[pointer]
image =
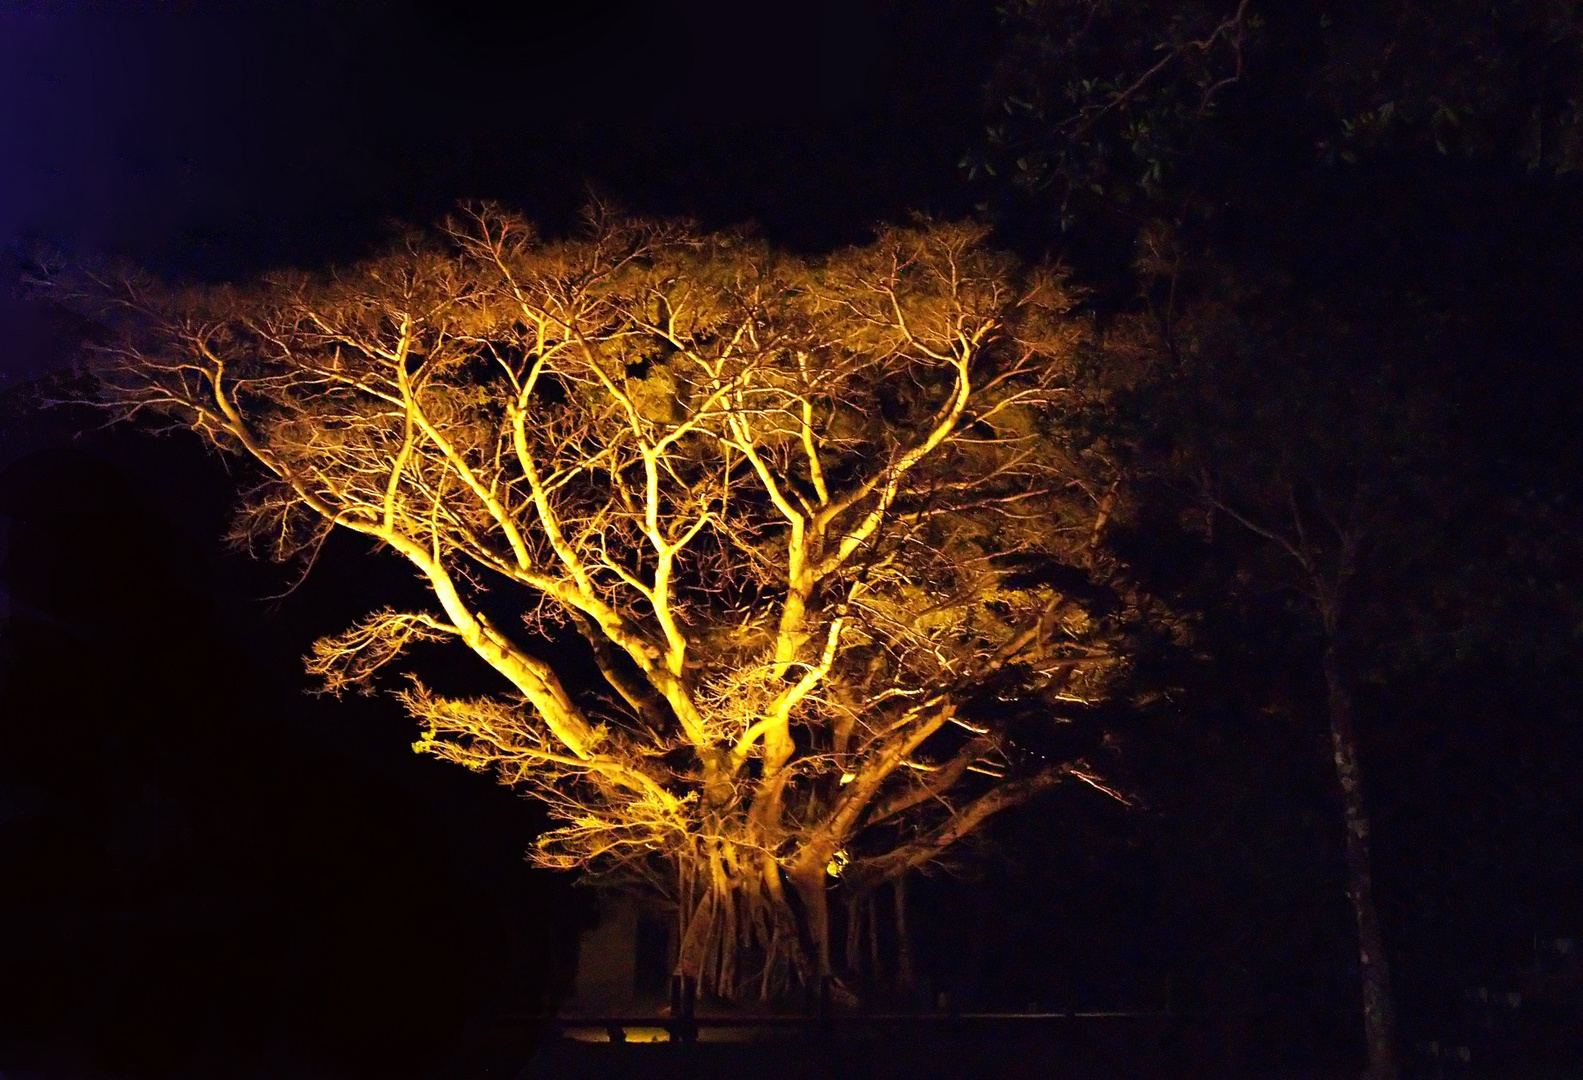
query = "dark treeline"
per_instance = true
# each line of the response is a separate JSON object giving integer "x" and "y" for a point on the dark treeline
{"x": 1337, "y": 242}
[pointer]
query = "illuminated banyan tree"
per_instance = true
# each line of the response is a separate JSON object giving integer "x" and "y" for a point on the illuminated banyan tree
{"x": 818, "y": 522}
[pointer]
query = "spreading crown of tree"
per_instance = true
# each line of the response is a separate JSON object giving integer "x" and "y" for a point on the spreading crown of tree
{"x": 819, "y": 522}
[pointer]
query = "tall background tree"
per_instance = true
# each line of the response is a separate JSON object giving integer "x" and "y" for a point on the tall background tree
{"x": 1290, "y": 213}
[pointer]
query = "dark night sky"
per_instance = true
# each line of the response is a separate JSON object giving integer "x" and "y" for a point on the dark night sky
{"x": 284, "y": 132}
{"x": 218, "y": 139}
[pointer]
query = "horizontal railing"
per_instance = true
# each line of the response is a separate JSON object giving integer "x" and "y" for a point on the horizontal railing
{"x": 793, "y": 1019}
{"x": 688, "y": 1029}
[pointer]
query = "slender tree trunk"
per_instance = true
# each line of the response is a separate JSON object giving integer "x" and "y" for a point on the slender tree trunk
{"x": 904, "y": 971}
{"x": 854, "y": 935}
{"x": 874, "y": 966}
{"x": 696, "y": 907}
{"x": 1379, "y": 1016}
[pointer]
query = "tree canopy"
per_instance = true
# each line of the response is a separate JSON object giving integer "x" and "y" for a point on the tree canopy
{"x": 825, "y": 527}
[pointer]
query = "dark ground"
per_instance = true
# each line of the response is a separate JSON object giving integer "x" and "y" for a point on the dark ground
{"x": 1113, "y": 1050}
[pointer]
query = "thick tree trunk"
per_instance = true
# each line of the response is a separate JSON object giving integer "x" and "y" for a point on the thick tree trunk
{"x": 809, "y": 881}
{"x": 737, "y": 932}
{"x": 1379, "y": 1020}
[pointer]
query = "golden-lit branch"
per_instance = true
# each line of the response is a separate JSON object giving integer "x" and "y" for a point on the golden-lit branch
{"x": 351, "y": 659}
